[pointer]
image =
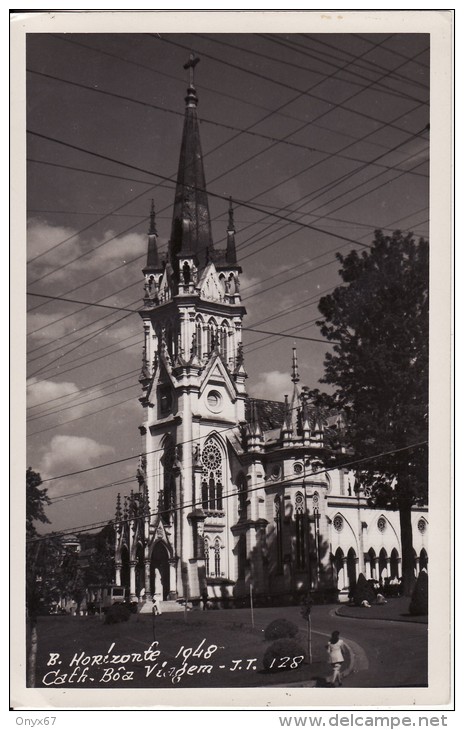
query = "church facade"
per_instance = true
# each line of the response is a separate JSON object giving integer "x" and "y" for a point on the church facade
{"x": 234, "y": 494}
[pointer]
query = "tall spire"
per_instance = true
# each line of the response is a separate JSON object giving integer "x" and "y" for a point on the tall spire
{"x": 191, "y": 185}
{"x": 153, "y": 263}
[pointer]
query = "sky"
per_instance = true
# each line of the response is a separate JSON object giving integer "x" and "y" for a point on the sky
{"x": 327, "y": 131}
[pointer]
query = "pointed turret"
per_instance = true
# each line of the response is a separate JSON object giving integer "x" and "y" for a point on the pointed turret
{"x": 255, "y": 432}
{"x": 295, "y": 402}
{"x": 153, "y": 263}
{"x": 191, "y": 186}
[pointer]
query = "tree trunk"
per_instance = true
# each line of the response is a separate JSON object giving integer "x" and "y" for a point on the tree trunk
{"x": 32, "y": 658}
{"x": 407, "y": 550}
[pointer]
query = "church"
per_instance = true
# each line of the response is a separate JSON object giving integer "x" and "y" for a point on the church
{"x": 236, "y": 496}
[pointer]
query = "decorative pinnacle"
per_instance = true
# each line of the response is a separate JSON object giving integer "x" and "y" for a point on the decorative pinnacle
{"x": 152, "y": 230}
{"x": 191, "y": 63}
{"x": 295, "y": 375}
{"x": 231, "y": 224}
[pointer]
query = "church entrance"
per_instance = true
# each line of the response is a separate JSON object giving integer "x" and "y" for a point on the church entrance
{"x": 159, "y": 571}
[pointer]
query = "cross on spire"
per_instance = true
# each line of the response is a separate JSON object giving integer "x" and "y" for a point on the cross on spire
{"x": 191, "y": 63}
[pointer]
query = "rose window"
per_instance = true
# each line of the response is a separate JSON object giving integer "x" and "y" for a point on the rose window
{"x": 381, "y": 524}
{"x": 338, "y": 523}
{"x": 211, "y": 457}
{"x": 422, "y": 525}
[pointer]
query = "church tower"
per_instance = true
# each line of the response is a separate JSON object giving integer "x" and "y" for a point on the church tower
{"x": 235, "y": 494}
{"x": 193, "y": 386}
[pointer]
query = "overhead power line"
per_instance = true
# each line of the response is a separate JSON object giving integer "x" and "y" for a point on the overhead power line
{"x": 241, "y": 203}
{"x": 136, "y": 311}
{"x": 228, "y": 495}
{"x": 204, "y": 120}
{"x": 294, "y": 88}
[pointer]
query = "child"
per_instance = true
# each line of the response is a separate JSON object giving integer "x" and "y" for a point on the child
{"x": 335, "y": 649}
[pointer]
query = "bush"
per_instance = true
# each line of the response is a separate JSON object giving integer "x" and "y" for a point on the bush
{"x": 363, "y": 591}
{"x": 283, "y": 655}
{"x": 280, "y": 629}
{"x": 419, "y": 605}
{"x": 117, "y": 613}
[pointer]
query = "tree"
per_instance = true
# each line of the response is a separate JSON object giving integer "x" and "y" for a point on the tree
{"x": 36, "y": 499}
{"x": 378, "y": 322}
{"x": 38, "y": 561}
{"x": 101, "y": 566}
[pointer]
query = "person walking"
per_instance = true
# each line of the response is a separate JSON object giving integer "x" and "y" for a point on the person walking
{"x": 335, "y": 650}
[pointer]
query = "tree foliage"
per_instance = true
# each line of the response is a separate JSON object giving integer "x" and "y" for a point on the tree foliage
{"x": 101, "y": 567}
{"x": 378, "y": 322}
{"x": 36, "y": 500}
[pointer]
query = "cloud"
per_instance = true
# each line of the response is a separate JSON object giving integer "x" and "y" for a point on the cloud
{"x": 51, "y": 403}
{"x": 40, "y": 392}
{"x": 272, "y": 385}
{"x": 58, "y": 264}
{"x": 70, "y": 453}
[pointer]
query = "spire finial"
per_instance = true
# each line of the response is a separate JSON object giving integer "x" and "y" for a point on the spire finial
{"x": 191, "y": 63}
{"x": 295, "y": 375}
{"x": 231, "y": 224}
{"x": 152, "y": 230}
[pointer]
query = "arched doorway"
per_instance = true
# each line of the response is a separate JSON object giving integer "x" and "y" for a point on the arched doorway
{"x": 338, "y": 568}
{"x": 394, "y": 564}
{"x": 351, "y": 567}
{"x": 159, "y": 568}
{"x": 423, "y": 559}
{"x": 125, "y": 567}
{"x": 383, "y": 565}
{"x": 372, "y": 573}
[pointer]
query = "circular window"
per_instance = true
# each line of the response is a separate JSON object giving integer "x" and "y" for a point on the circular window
{"x": 298, "y": 468}
{"x": 214, "y": 401}
{"x": 422, "y": 525}
{"x": 338, "y": 523}
{"x": 211, "y": 456}
{"x": 381, "y": 524}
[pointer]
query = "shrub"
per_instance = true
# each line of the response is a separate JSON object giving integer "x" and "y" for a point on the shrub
{"x": 117, "y": 613}
{"x": 419, "y": 605}
{"x": 363, "y": 591}
{"x": 283, "y": 655}
{"x": 280, "y": 629}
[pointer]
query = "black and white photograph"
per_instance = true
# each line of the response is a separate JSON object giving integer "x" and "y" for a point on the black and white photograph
{"x": 231, "y": 360}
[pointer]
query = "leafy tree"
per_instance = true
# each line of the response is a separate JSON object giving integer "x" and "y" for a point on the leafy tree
{"x": 36, "y": 500}
{"x": 378, "y": 322}
{"x": 101, "y": 568}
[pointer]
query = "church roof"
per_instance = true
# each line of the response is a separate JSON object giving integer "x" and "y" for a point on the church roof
{"x": 270, "y": 412}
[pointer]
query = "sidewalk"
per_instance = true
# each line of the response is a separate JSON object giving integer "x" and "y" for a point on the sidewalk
{"x": 396, "y": 609}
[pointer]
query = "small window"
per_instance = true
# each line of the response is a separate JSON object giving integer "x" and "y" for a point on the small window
{"x": 214, "y": 401}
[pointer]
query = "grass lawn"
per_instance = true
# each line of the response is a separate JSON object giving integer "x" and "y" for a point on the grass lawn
{"x": 396, "y": 609}
{"x": 199, "y": 649}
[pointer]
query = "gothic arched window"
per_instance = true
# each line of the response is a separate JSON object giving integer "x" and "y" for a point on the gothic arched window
{"x": 242, "y": 496}
{"x": 199, "y": 336}
{"x": 300, "y": 530}
{"x": 223, "y": 340}
{"x": 211, "y": 335}
{"x": 217, "y": 558}
{"x": 206, "y": 555}
{"x": 212, "y": 476}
